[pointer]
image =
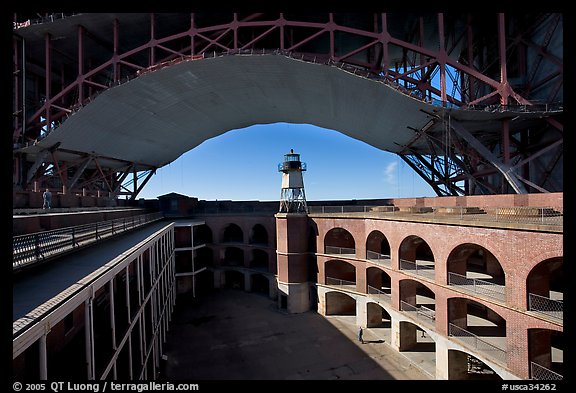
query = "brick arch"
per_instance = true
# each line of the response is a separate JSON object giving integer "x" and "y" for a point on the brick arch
{"x": 232, "y": 232}
{"x": 377, "y": 242}
{"x": 545, "y": 286}
{"x": 339, "y": 237}
{"x": 407, "y": 250}
{"x": 472, "y": 257}
{"x": 339, "y": 269}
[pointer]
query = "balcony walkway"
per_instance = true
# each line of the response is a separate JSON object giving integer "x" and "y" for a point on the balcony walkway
{"x": 37, "y": 286}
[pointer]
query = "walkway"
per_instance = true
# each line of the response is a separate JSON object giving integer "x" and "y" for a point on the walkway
{"x": 235, "y": 335}
{"x": 34, "y": 288}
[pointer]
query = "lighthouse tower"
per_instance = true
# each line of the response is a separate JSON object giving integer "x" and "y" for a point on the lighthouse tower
{"x": 292, "y": 238}
{"x": 292, "y": 197}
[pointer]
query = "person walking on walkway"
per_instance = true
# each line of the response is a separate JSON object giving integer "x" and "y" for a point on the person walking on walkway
{"x": 47, "y": 196}
{"x": 361, "y": 335}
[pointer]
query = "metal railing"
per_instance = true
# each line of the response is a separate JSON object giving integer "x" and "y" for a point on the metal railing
{"x": 339, "y": 282}
{"x": 350, "y": 209}
{"x": 383, "y": 259}
{"x": 475, "y": 285}
{"x": 422, "y": 313}
{"x": 423, "y": 270}
{"x": 473, "y": 341}
{"x": 41, "y": 246}
{"x": 547, "y": 306}
{"x": 548, "y": 216}
{"x": 541, "y": 373}
{"x": 339, "y": 250}
{"x": 379, "y": 294}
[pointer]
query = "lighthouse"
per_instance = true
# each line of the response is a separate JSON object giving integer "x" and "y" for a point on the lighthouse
{"x": 292, "y": 233}
{"x": 292, "y": 196}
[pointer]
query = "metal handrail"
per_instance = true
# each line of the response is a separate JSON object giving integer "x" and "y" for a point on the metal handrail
{"x": 541, "y": 373}
{"x": 476, "y": 342}
{"x": 418, "y": 269}
{"x": 38, "y": 247}
{"x": 422, "y": 312}
{"x": 378, "y": 292}
{"x": 340, "y": 250}
{"x": 478, "y": 286}
{"x": 547, "y": 306}
{"x": 541, "y": 215}
{"x": 338, "y": 281}
{"x": 376, "y": 255}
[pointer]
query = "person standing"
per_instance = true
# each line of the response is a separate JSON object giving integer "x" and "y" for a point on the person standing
{"x": 361, "y": 335}
{"x": 47, "y": 196}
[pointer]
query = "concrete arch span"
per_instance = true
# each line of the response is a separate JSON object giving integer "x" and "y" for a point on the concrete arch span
{"x": 193, "y": 101}
{"x": 153, "y": 119}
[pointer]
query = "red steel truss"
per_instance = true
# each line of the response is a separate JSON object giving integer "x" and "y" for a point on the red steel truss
{"x": 477, "y": 61}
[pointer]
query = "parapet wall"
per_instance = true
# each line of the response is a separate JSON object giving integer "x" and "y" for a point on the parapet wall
{"x": 554, "y": 200}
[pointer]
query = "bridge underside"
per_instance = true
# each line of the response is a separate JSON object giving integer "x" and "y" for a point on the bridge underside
{"x": 459, "y": 143}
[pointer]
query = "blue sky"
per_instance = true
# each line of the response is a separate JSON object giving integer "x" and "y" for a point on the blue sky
{"x": 242, "y": 165}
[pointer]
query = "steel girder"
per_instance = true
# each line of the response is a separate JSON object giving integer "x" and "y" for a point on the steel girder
{"x": 475, "y": 61}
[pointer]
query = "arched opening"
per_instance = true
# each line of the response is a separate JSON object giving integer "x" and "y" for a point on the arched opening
{"x": 259, "y": 235}
{"x": 417, "y": 345}
{"x": 464, "y": 366}
{"x": 546, "y": 354}
{"x": 379, "y": 284}
{"x": 340, "y": 273}
{"x": 233, "y": 256}
{"x": 233, "y": 279}
{"x": 418, "y": 301}
{"x": 259, "y": 260}
{"x": 545, "y": 287}
{"x": 416, "y": 256}
{"x": 260, "y": 284}
{"x": 473, "y": 268}
{"x": 233, "y": 234}
{"x": 202, "y": 235}
{"x": 378, "y": 317}
{"x": 340, "y": 242}
{"x": 338, "y": 303}
{"x": 378, "y": 248}
{"x": 479, "y": 327}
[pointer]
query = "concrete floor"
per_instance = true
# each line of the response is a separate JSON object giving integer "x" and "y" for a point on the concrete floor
{"x": 233, "y": 335}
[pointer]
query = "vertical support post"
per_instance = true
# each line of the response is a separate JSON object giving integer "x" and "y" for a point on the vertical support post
{"x": 470, "y": 57}
{"x": 43, "y": 355}
{"x": 80, "y": 65}
{"x": 23, "y": 89}
{"x": 442, "y": 58}
{"x": 422, "y": 72}
{"x": 282, "y": 23}
{"x": 192, "y": 35}
{"x": 385, "y": 41}
{"x": 48, "y": 78}
{"x": 130, "y": 363}
{"x": 506, "y": 141}
{"x": 152, "y": 38}
{"x": 502, "y": 52}
{"x": 116, "y": 66}
{"x": 113, "y": 322}
{"x": 235, "y": 31}
{"x": 16, "y": 104}
{"x": 89, "y": 334}
{"x": 135, "y": 182}
{"x": 330, "y": 23}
